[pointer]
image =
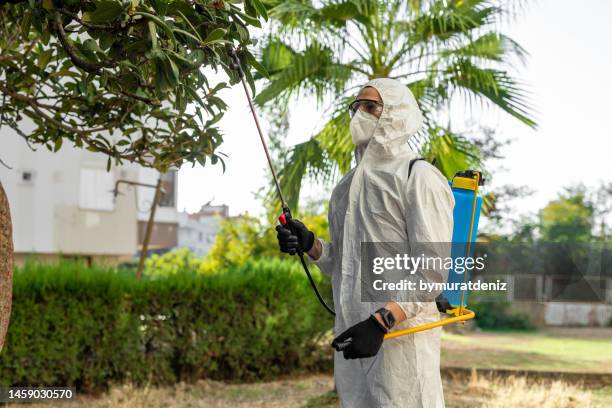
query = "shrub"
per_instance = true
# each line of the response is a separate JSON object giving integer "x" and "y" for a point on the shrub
{"x": 93, "y": 327}
{"x": 171, "y": 263}
{"x": 493, "y": 312}
{"x": 246, "y": 237}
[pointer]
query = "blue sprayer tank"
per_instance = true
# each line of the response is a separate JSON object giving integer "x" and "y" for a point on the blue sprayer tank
{"x": 464, "y": 185}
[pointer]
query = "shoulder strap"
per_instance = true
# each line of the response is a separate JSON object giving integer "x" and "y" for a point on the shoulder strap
{"x": 412, "y": 164}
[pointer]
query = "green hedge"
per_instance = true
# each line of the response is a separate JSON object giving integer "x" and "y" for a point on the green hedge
{"x": 93, "y": 327}
{"x": 493, "y": 312}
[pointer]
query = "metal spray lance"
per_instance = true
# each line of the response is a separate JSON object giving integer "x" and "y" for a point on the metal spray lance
{"x": 285, "y": 217}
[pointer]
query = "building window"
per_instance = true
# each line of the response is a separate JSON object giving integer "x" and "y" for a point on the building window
{"x": 525, "y": 288}
{"x": 578, "y": 289}
{"x": 26, "y": 177}
{"x": 169, "y": 185}
{"x": 96, "y": 190}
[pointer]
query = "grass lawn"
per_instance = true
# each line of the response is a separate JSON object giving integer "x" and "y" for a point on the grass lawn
{"x": 566, "y": 350}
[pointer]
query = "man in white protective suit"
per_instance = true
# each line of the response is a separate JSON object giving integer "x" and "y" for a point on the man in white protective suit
{"x": 381, "y": 200}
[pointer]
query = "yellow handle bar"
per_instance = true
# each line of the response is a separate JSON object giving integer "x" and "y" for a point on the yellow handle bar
{"x": 461, "y": 315}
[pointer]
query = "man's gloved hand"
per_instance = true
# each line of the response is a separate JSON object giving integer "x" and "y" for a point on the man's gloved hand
{"x": 300, "y": 239}
{"x": 365, "y": 337}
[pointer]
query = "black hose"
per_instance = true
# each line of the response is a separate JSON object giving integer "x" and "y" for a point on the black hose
{"x": 314, "y": 285}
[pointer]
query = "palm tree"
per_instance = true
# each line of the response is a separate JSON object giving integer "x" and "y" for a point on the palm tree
{"x": 441, "y": 49}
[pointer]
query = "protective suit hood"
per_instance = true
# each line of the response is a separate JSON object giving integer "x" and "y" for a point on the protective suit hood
{"x": 401, "y": 117}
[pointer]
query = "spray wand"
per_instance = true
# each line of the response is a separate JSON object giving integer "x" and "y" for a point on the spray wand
{"x": 285, "y": 217}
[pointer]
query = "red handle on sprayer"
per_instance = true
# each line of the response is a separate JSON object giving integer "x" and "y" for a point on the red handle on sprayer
{"x": 285, "y": 216}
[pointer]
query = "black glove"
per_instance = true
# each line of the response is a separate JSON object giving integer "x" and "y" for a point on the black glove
{"x": 361, "y": 340}
{"x": 294, "y": 236}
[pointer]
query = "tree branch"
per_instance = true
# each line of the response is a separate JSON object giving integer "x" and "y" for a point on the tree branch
{"x": 2, "y": 162}
{"x": 148, "y": 101}
{"x": 93, "y": 68}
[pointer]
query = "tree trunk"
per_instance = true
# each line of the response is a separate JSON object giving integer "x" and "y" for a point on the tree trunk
{"x": 6, "y": 265}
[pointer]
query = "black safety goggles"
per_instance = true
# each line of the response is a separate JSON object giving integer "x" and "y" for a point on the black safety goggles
{"x": 367, "y": 105}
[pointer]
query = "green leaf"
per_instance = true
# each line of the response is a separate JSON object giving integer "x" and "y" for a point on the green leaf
{"x": 91, "y": 45}
{"x": 152, "y": 34}
{"x": 255, "y": 64}
{"x": 242, "y": 32}
{"x": 194, "y": 95}
{"x": 44, "y": 58}
{"x": 195, "y": 32}
{"x": 187, "y": 34}
{"x": 173, "y": 74}
{"x": 252, "y": 21}
{"x": 181, "y": 59}
{"x": 160, "y": 6}
{"x": 107, "y": 11}
{"x": 25, "y": 25}
{"x": 215, "y": 35}
{"x": 58, "y": 144}
{"x": 161, "y": 84}
{"x": 161, "y": 23}
{"x": 45, "y": 37}
{"x": 249, "y": 78}
{"x": 261, "y": 9}
{"x": 106, "y": 40}
{"x": 103, "y": 79}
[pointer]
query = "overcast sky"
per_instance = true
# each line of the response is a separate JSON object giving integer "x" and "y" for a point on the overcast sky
{"x": 569, "y": 72}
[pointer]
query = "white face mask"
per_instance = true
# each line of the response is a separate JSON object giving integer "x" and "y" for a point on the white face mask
{"x": 362, "y": 127}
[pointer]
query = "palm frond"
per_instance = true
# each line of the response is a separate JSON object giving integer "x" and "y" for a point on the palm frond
{"x": 491, "y": 46}
{"x": 298, "y": 14}
{"x": 494, "y": 86}
{"x": 291, "y": 13}
{"x": 451, "y": 152}
{"x": 335, "y": 137}
{"x": 319, "y": 158}
{"x": 314, "y": 71}
{"x": 429, "y": 93}
{"x": 444, "y": 20}
{"x": 276, "y": 56}
{"x": 440, "y": 48}
{"x": 307, "y": 158}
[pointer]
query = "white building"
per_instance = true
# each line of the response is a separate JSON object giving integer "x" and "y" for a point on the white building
{"x": 62, "y": 203}
{"x": 197, "y": 231}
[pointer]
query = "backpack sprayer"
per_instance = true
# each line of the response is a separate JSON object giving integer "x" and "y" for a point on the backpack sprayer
{"x": 466, "y": 215}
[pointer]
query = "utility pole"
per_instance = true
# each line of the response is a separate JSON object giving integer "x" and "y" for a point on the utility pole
{"x": 159, "y": 191}
{"x": 147, "y": 237}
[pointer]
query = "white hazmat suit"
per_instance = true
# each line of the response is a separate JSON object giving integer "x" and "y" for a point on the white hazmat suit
{"x": 378, "y": 202}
